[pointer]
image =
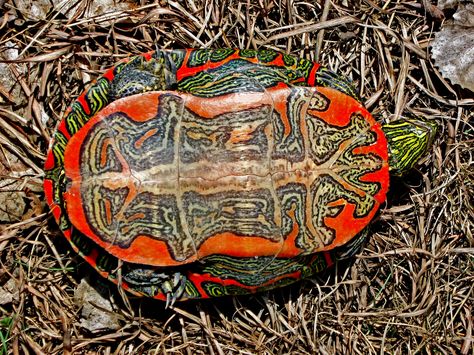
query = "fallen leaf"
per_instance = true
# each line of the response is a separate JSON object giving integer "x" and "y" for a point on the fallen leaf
{"x": 9, "y": 292}
{"x": 453, "y": 48}
{"x": 97, "y": 312}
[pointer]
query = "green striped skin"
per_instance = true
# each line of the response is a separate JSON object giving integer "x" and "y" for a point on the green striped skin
{"x": 408, "y": 141}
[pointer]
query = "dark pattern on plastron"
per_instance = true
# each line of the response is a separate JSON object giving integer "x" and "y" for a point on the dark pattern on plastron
{"x": 209, "y": 139}
{"x": 123, "y": 133}
{"x": 326, "y": 190}
{"x": 326, "y": 140}
{"x": 244, "y": 213}
{"x": 292, "y": 198}
{"x": 290, "y": 146}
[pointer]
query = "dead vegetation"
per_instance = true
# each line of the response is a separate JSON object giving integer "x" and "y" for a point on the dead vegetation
{"x": 409, "y": 291}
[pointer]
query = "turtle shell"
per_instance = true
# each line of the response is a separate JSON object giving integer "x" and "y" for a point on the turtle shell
{"x": 245, "y": 175}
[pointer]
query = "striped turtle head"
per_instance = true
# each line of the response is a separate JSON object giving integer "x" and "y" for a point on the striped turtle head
{"x": 408, "y": 140}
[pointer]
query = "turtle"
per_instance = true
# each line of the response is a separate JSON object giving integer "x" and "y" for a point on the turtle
{"x": 196, "y": 173}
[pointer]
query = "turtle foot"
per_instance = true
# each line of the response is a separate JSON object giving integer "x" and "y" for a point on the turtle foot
{"x": 151, "y": 283}
{"x": 173, "y": 289}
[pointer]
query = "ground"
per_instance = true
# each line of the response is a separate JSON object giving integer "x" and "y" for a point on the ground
{"x": 409, "y": 291}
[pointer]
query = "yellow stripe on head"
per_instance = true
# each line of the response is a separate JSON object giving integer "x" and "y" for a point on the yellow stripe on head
{"x": 408, "y": 140}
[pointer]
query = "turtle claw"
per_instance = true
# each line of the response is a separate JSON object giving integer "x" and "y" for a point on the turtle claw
{"x": 152, "y": 283}
{"x": 173, "y": 290}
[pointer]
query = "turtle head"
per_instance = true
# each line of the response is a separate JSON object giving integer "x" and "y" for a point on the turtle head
{"x": 408, "y": 140}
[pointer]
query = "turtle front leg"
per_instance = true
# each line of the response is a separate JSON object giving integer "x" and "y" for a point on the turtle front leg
{"x": 353, "y": 247}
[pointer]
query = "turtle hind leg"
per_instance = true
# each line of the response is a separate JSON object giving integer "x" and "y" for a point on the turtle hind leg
{"x": 140, "y": 75}
{"x": 174, "y": 290}
{"x": 169, "y": 69}
{"x": 151, "y": 282}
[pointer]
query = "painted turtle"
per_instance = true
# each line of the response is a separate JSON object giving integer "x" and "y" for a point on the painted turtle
{"x": 198, "y": 173}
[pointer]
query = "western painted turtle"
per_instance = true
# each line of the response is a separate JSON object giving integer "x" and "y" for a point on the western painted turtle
{"x": 188, "y": 174}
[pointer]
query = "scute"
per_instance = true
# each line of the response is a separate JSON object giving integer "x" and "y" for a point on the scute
{"x": 173, "y": 187}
